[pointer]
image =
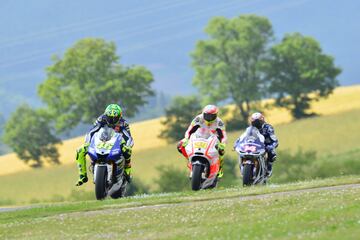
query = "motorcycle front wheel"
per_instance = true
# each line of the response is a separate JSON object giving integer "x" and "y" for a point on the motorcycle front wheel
{"x": 100, "y": 182}
{"x": 248, "y": 175}
{"x": 196, "y": 177}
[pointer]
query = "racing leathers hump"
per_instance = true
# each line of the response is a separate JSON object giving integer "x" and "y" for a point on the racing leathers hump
{"x": 217, "y": 127}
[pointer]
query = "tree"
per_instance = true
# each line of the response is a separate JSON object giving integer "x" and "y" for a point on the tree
{"x": 300, "y": 73}
{"x": 179, "y": 115}
{"x": 28, "y": 133}
{"x": 88, "y": 77}
{"x": 228, "y": 64}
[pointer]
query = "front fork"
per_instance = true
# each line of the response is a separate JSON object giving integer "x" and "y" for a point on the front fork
{"x": 114, "y": 170}
{"x": 242, "y": 163}
{"x": 109, "y": 171}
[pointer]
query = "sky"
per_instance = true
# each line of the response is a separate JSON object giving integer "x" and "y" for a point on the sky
{"x": 158, "y": 34}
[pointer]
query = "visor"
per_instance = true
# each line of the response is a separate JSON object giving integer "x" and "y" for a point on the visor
{"x": 112, "y": 120}
{"x": 257, "y": 123}
{"x": 209, "y": 117}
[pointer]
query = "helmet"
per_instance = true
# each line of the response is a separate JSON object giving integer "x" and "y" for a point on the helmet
{"x": 210, "y": 113}
{"x": 113, "y": 113}
{"x": 257, "y": 120}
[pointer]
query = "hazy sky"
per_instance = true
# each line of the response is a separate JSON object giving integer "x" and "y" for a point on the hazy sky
{"x": 158, "y": 34}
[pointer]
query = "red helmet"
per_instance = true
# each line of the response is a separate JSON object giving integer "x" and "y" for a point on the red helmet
{"x": 257, "y": 120}
{"x": 210, "y": 113}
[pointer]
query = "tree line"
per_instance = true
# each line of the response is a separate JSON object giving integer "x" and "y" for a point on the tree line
{"x": 240, "y": 62}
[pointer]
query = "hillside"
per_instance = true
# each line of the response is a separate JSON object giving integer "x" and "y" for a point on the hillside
{"x": 328, "y": 135}
{"x": 146, "y": 133}
{"x": 322, "y": 209}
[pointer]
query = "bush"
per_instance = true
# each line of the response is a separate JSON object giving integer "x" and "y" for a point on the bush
{"x": 172, "y": 179}
{"x": 306, "y": 165}
{"x": 136, "y": 187}
{"x": 298, "y": 166}
{"x": 335, "y": 165}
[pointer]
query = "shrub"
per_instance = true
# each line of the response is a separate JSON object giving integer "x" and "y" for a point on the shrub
{"x": 172, "y": 179}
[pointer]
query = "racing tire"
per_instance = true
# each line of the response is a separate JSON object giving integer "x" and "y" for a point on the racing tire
{"x": 196, "y": 177}
{"x": 101, "y": 182}
{"x": 248, "y": 175}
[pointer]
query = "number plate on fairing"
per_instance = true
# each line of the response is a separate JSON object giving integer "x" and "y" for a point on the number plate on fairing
{"x": 248, "y": 148}
{"x": 200, "y": 144}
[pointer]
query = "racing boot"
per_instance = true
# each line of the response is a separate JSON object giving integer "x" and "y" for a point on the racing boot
{"x": 127, "y": 168}
{"x": 221, "y": 172}
{"x": 221, "y": 149}
{"x": 189, "y": 167}
{"x": 81, "y": 161}
{"x": 270, "y": 162}
{"x": 269, "y": 169}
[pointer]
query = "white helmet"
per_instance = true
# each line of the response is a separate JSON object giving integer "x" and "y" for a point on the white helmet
{"x": 257, "y": 120}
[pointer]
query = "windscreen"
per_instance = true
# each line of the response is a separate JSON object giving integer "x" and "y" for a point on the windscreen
{"x": 251, "y": 135}
{"x": 203, "y": 133}
{"x": 106, "y": 133}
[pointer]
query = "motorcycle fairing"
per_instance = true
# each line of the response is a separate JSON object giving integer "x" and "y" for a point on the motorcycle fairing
{"x": 110, "y": 149}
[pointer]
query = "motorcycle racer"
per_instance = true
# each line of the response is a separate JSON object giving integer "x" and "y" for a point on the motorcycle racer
{"x": 271, "y": 142}
{"x": 112, "y": 117}
{"x": 207, "y": 119}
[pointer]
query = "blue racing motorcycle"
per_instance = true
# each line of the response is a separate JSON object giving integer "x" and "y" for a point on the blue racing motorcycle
{"x": 107, "y": 164}
{"x": 252, "y": 157}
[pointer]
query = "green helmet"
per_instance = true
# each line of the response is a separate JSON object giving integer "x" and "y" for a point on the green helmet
{"x": 113, "y": 113}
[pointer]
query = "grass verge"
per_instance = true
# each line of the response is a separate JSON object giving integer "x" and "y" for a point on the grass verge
{"x": 215, "y": 214}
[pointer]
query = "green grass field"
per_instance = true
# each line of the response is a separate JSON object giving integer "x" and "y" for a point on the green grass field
{"x": 329, "y": 136}
{"x": 212, "y": 214}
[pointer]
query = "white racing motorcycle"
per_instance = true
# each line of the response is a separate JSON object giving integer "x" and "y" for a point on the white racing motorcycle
{"x": 203, "y": 156}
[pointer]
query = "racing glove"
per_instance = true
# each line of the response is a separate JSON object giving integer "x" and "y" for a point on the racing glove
{"x": 128, "y": 170}
{"x": 127, "y": 149}
{"x": 221, "y": 148}
{"x": 185, "y": 142}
